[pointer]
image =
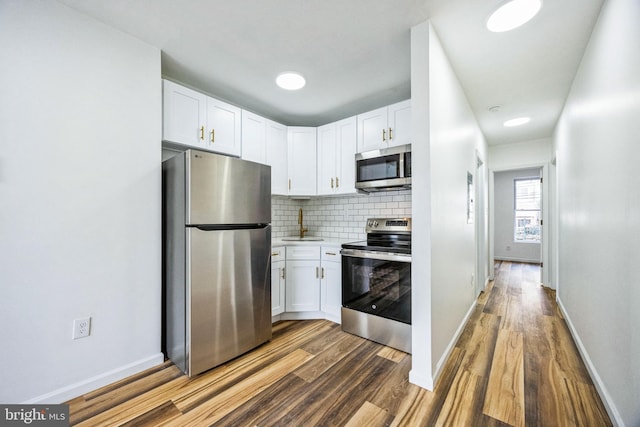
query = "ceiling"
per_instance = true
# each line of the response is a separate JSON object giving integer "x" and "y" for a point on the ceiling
{"x": 355, "y": 54}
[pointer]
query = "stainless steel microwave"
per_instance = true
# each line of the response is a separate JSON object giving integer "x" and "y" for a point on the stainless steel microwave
{"x": 384, "y": 170}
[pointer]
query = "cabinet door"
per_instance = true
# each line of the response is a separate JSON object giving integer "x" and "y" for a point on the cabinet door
{"x": 399, "y": 132}
{"x": 372, "y": 130}
{"x": 224, "y": 126}
{"x": 302, "y": 161}
{"x": 346, "y": 156}
{"x": 331, "y": 291}
{"x": 331, "y": 282}
{"x": 302, "y": 286}
{"x": 327, "y": 149}
{"x": 184, "y": 115}
{"x": 254, "y": 137}
{"x": 277, "y": 157}
{"x": 277, "y": 287}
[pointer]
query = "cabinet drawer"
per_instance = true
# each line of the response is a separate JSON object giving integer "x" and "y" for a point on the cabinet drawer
{"x": 303, "y": 252}
{"x": 277, "y": 254}
{"x": 330, "y": 253}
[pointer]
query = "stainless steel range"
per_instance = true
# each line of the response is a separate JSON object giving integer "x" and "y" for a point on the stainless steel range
{"x": 376, "y": 283}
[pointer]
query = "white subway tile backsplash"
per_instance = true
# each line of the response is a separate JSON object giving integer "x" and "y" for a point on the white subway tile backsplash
{"x": 336, "y": 217}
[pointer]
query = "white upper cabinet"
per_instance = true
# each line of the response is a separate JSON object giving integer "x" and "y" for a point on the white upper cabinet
{"x": 336, "y": 157}
{"x": 184, "y": 115}
{"x": 193, "y": 119}
{"x": 385, "y": 127}
{"x": 371, "y": 126}
{"x": 327, "y": 147}
{"x": 265, "y": 141}
{"x": 346, "y": 131}
{"x": 254, "y": 137}
{"x": 224, "y": 127}
{"x": 277, "y": 157}
{"x": 399, "y": 123}
{"x": 301, "y": 161}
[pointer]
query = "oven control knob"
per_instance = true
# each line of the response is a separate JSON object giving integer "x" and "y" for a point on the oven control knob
{"x": 374, "y": 306}
{"x": 373, "y": 224}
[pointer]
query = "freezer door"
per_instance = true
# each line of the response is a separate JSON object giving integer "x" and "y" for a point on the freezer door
{"x": 226, "y": 190}
{"x": 229, "y": 306}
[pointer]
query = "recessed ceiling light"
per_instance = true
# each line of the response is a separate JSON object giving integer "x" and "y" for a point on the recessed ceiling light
{"x": 517, "y": 122}
{"x": 513, "y": 14}
{"x": 290, "y": 80}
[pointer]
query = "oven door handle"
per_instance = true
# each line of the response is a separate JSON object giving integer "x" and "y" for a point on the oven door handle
{"x": 384, "y": 256}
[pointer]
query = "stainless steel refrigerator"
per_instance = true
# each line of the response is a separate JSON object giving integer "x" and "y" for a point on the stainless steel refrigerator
{"x": 217, "y": 249}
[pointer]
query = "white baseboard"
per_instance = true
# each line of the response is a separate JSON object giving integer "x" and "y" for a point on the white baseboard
{"x": 515, "y": 259}
{"x": 453, "y": 342}
{"x": 421, "y": 380}
{"x": 74, "y": 390}
{"x": 428, "y": 383}
{"x": 306, "y": 315}
{"x": 597, "y": 381}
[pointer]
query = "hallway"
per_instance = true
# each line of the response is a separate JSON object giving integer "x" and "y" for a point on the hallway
{"x": 515, "y": 364}
{"x": 518, "y": 356}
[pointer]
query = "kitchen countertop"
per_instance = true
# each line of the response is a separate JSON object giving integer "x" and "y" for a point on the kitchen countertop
{"x": 327, "y": 241}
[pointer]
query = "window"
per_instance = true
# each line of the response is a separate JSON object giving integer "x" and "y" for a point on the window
{"x": 528, "y": 214}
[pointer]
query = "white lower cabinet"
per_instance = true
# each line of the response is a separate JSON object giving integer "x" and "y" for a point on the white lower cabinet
{"x": 303, "y": 279}
{"x": 278, "y": 277}
{"x": 303, "y": 286}
{"x": 313, "y": 282}
{"x": 331, "y": 282}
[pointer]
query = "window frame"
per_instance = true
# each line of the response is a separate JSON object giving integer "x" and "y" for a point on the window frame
{"x": 538, "y": 212}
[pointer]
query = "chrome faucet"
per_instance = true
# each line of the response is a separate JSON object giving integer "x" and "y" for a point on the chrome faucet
{"x": 302, "y": 229}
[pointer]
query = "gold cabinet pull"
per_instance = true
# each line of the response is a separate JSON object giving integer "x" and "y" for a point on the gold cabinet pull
{"x": 282, "y": 273}
{"x": 384, "y": 134}
{"x": 390, "y": 135}
{"x": 330, "y": 253}
{"x": 322, "y": 276}
{"x": 317, "y": 272}
{"x": 289, "y": 183}
{"x": 331, "y": 182}
{"x": 213, "y": 136}
{"x": 275, "y": 253}
{"x": 337, "y": 182}
{"x": 202, "y": 133}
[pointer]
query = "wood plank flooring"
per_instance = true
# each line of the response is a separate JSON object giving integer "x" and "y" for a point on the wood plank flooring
{"x": 515, "y": 364}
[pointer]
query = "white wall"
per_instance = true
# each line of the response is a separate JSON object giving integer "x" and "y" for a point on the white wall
{"x": 504, "y": 218}
{"x": 444, "y": 250}
{"x": 520, "y": 155}
{"x": 455, "y": 137}
{"x": 597, "y": 142}
{"x": 421, "y": 366}
{"x": 79, "y": 202}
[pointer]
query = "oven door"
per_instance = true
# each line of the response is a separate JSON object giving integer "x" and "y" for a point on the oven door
{"x": 377, "y": 283}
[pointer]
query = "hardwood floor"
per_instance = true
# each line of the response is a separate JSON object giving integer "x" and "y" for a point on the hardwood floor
{"x": 515, "y": 364}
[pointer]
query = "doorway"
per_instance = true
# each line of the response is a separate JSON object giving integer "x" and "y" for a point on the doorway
{"x": 518, "y": 216}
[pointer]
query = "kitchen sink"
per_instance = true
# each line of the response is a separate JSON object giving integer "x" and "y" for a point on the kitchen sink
{"x": 302, "y": 239}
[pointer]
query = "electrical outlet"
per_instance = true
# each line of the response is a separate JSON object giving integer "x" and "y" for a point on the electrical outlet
{"x": 81, "y": 328}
